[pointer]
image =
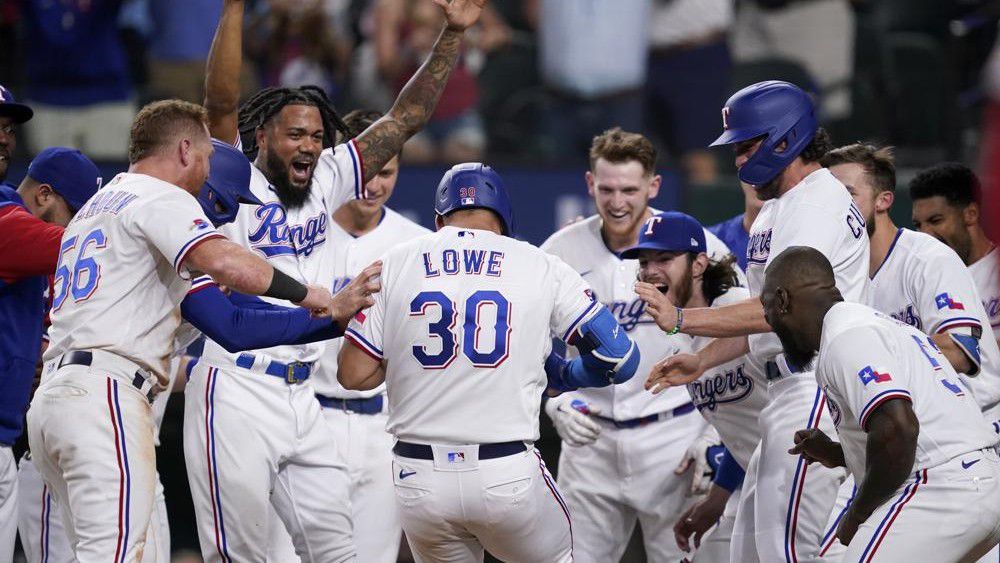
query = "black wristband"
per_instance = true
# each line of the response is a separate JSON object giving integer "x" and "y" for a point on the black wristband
{"x": 285, "y": 287}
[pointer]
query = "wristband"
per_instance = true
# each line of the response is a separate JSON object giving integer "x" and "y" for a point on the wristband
{"x": 680, "y": 321}
{"x": 285, "y": 287}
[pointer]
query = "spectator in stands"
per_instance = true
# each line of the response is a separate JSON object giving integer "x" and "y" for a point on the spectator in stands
{"x": 689, "y": 79}
{"x": 817, "y": 34}
{"x": 405, "y": 31}
{"x": 299, "y": 42}
{"x": 77, "y": 77}
{"x": 592, "y": 59}
{"x": 178, "y": 47}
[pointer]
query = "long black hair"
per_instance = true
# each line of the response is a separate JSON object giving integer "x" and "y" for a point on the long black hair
{"x": 264, "y": 105}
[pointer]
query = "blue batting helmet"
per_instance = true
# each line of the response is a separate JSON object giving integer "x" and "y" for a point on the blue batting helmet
{"x": 780, "y": 112}
{"x": 474, "y": 185}
{"x": 227, "y": 186}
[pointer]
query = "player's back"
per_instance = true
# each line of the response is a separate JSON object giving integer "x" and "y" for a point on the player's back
{"x": 866, "y": 358}
{"x": 466, "y": 317}
{"x": 120, "y": 277}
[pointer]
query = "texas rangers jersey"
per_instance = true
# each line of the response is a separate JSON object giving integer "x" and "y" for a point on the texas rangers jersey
{"x": 817, "y": 212}
{"x": 295, "y": 240}
{"x": 986, "y": 273}
{"x": 923, "y": 283}
{"x": 463, "y": 323}
{"x": 730, "y": 396}
{"x": 121, "y": 274}
{"x": 613, "y": 280}
{"x": 353, "y": 255}
{"x": 867, "y": 358}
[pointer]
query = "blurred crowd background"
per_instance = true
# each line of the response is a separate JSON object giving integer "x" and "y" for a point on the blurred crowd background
{"x": 537, "y": 80}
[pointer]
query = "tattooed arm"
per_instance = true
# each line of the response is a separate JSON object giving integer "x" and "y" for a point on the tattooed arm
{"x": 416, "y": 102}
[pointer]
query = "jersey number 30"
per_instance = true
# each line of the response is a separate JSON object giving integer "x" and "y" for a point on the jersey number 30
{"x": 82, "y": 281}
{"x": 444, "y": 329}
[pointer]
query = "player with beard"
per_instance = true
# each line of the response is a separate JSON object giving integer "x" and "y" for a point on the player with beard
{"x": 671, "y": 254}
{"x": 928, "y": 476}
{"x": 946, "y": 205}
{"x": 778, "y": 143}
{"x": 11, "y": 114}
{"x": 283, "y": 454}
{"x": 617, "y": 442}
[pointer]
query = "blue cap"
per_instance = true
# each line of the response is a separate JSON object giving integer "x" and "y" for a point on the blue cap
{"x": 70, "y": 173}
{"x": 10, "y": 108}
{"x": 227, "y": 185}
{"x": 671, "y": 231}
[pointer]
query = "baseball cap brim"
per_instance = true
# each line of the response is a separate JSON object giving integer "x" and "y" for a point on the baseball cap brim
{"x": 250, "y": 199}
{"x": 633, "y": 252}
{"x": 18, "y": 112}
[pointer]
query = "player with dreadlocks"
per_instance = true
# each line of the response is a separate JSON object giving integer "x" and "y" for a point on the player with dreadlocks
{"x": 254, "y": 434}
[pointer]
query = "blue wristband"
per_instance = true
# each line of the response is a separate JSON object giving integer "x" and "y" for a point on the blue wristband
{"x": 730, "y": 475}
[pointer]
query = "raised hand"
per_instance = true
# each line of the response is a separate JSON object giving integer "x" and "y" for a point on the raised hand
{"x": 679, "y": 369}
{"x": 461, "y": 14}
{"x": 357, "y": 295}
{"x": 657, "y": 306}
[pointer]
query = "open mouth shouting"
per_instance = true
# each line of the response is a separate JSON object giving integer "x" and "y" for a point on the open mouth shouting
{"x": 301, "y": 170}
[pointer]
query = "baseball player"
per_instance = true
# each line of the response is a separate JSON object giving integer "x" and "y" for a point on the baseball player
{"x": 11, "y": 114}
{"x": 946, "y": 205}
{"x": 362, "y": 231}
{"x": 785, "y": 504}
{"x": 914, "y": 440}
{"x": 672, "y": 256}
{"x": 241, "y": 466}
{"x": 239, "y": 322}
{"x": 459, "y": 337}
{"x": 616, "y": 441}
{"x": 32, "y": 219}
{"x": 735, "y": 231}
{"x": 123, "y": 270}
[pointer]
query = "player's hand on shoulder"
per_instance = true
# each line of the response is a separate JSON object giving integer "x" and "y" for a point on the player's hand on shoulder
{"x": 572, "y": 421}
{"x": 679, "y": 369}
{"x": 318, "y": 300}
{"x": 461, "y": 14}
{"x": 657, "y": 306}
{"x": 357, "y": 295}
{"x": 814, "y": 445}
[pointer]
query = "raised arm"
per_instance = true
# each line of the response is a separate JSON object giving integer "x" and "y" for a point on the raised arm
{"x": 222, "y": 80}
{"x": 417, "y": 100}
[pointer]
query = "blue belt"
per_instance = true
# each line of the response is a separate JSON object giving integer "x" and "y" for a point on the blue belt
{"x": 644, "y": 420}
{"x": 371, "y": 405}
{"x": 486, "y": 451}
{"x": 295, "y": 372}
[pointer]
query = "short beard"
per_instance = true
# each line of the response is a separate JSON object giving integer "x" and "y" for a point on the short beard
{"x": 793, "y": 353}
{"x": 870, "y": 225}
{"x": 770, "y": 190}
{"x": 683, "y": 290}
{"x": 277, "y": 173}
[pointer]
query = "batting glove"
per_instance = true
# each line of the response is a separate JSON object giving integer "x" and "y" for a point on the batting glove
{"x": 697, "y": 459}
{"x": 574, "y": 427}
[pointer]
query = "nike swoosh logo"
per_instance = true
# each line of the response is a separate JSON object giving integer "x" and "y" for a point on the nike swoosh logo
{"x": 403, "y": 474}
{"x": 585, "y": 273}
{"x": 970, "y": 464}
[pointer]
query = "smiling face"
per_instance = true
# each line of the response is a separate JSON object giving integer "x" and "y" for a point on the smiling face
{"x": 8, "y": 142}
{"x": 671, "y": 272}
{"x": 946, "y": 222}
{"x": 621, "y": 192}
{"x": 290, "y": 144}
{"x": 378, "y": 190}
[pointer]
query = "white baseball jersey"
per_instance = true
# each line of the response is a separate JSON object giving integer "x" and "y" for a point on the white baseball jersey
{"x": 121, "y": 276}
{"x": 353, "y": 255}
{"x": 730, "y": 396}
{"x": 986, "y": 273}
{"x": 817, "y": 212}
{"x": 867, "y": 358}
{"x": 295, "y": 240}
{"x": 613, "y": 280}
{"x": 923, "y": 283}
{"x": 463, "y": 322}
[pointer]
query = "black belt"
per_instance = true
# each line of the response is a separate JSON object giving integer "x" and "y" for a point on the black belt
{"x": 371, "y": 405}
{"x": 486, "y": 451}
{"x": 85, "y": 358}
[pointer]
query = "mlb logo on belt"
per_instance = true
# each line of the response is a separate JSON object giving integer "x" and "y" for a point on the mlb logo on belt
{"x": 456, "y": 457}
{"x": 945, "y": 300}
{"x": 868, "y": 375}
